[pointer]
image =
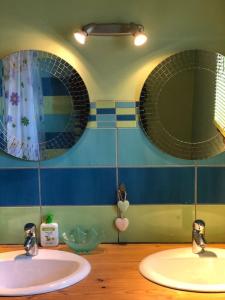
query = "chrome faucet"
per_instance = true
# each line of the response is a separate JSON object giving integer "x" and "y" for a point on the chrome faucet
{"x": 30, "y": 243}
{"x": 198, "y": 239}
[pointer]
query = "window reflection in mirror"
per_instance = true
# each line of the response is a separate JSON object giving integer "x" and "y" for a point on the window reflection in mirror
{"x": 178, "y": 104}
{"x": 219, "y": 114}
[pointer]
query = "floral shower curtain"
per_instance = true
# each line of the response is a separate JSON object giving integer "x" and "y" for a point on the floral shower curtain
{"x": 23, "y": 104}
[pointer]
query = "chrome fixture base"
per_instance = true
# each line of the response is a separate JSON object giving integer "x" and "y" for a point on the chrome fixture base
{"x": 112, "y": 29}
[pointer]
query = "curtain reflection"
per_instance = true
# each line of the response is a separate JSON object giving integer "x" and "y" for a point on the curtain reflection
{"x": 23, "y": 104}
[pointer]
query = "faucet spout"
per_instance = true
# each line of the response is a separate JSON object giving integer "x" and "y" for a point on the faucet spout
{"x": 30, "y": 243}
{"x": 198, "y": 238}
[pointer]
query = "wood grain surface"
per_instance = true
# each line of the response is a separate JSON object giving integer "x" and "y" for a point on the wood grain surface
{"x": 115, "y": 276}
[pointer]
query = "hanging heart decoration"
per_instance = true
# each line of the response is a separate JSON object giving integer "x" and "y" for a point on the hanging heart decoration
{"x": 121, "y": 223}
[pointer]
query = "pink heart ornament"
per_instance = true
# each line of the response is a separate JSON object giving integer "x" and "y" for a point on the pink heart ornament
{"x": 121, "y": 223}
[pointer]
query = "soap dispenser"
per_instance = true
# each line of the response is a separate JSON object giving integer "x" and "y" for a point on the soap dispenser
{"x": 49, "y": 232}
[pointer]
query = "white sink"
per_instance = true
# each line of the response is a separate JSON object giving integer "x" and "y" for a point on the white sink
{"x": 183, "y": 270}
{"x": 50, "y": 270}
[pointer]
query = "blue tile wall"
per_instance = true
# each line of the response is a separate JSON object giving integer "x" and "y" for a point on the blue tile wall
{"x": 19, "y": 187}
{"x": 211, "y": 185}
{"x": 110, "y": 124}
{"x": 106, "y": 118}
{"x": 105, "y": 111}
{"x": 136, "y": 150}
{"x": 125, "y": 117}
{"x": 87, "y": 173}
{"x": 94, "y": 186}
{"x": 92, "y": 118}
{"x": 218, "y": 160}
{"x": 96, "y": 148}
{"x": 123, "y": 104}
{"x": 158, "y": 185}
{"x": 8, "y": 162}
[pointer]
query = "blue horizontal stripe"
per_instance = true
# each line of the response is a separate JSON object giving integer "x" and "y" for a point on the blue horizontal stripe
{"x": 92, "y": 117}
{"x": 104, "y": 111}
{"x": 78, "y": 186}
{"x": 126, "y": 117}
{"x": 19, "y": 187}
{"x": 158, "y": 185}
{"x": 211, "y": 185}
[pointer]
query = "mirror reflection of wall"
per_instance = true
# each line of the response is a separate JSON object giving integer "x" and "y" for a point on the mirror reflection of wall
{"x": 178, "y": 104}
{"x": 44, "y": 105}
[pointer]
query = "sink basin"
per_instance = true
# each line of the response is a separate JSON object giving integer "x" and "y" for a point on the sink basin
{"x": 183, "y": 270}
{"x": 50, "y": 270}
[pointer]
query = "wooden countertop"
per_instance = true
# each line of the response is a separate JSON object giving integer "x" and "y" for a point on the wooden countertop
{"x": 115, "y": 276}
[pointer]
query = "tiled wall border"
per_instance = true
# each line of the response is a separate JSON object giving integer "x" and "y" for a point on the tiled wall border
{"x": 106, "y": 116}
{"x": 113, "y": 114}
{"x": 97, "y": 186}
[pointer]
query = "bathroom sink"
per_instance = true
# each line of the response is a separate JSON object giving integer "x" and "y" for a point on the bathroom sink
{"x": 50, "y": 270}
{"x": 183, "y": 270}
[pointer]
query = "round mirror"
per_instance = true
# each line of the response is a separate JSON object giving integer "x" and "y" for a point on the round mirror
{"x": 182, "y": 104}
{"x": 44, "y": 105}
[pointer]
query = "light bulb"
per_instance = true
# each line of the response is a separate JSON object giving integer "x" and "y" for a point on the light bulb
{"x": 139, "y": 38}
{"x": 80, "y": 37}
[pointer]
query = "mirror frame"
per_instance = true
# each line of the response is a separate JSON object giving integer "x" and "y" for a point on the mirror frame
{"x": 80, "y": 105}
{"x": 150, "y": 116}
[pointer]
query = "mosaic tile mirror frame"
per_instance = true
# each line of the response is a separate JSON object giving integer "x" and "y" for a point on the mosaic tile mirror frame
{"x": 182, "y": 105}
{"x": 44, "y": 105}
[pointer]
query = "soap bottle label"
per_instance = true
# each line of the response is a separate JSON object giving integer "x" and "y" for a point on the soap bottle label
{"x": 49, "y": 235}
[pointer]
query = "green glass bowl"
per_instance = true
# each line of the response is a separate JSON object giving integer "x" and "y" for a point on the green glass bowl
{"x": 83, "y": 240}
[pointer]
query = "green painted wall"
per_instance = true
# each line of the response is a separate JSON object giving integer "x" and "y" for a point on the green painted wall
{"x": 112, "y": 67}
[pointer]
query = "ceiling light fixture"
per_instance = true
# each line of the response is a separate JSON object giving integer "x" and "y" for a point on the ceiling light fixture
{"x": 112, "y": 29}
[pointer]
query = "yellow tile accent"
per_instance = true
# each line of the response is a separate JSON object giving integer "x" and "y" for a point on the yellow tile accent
{"x": 126, "y": 111}
{"x": 159, "y": 223}
{"x": 92, "y": 124}
{"x": 105, "y": 104}
{"x": 129, "y": 124}
{"x": 93, "y": 111}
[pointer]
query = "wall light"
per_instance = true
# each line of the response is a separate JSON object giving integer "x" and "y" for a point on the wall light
{"x": 139, "y": 38}
{"x": 112, "y": 29}
{"x": 80, "y": 37}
